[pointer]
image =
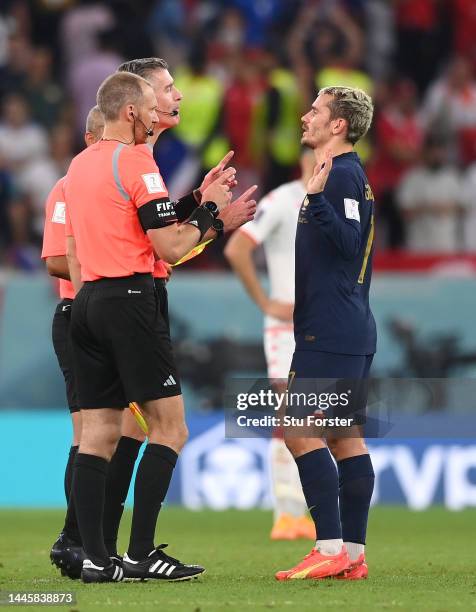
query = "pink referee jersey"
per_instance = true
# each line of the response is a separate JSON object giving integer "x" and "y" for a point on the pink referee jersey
{"x": 54, "y": 236}
{"x": 105, "y": 186}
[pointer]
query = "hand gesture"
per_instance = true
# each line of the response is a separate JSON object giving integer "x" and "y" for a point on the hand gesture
{"x": 239, "y": 211}
{"x": 318, "y": 180}
{"x": 216, "y": 172}
{"x": 219, "y": 191}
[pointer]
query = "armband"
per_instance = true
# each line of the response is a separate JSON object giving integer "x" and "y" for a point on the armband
{"x": 202, "y": 220}
{"x": 185, "y": 207}
{"x": 156, "y": 214}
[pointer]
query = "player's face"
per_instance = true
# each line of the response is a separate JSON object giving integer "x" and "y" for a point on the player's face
{"x": 147, "y": 113}
{"x": 317, "y": 124}
{"x": 167, "y": 95}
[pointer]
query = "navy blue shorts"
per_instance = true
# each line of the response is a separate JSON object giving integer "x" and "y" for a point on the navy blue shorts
{"x": 334, "y": 384}
{"x": 317, "y": 364}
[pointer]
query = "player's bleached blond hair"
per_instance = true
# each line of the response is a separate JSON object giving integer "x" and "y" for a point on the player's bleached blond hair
{"x": 353, "y": 105}
{"x": 95, "y": 122}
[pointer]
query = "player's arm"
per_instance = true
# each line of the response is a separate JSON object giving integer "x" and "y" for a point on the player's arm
{"x": 58, "y": 266}
{"x": 334, "y": 207}
{"x": 73, "y": 264}
{"x": 239, "y": 253}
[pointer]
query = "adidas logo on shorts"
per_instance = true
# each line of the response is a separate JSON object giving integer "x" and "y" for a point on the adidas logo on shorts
{"x": 170, "y": 381}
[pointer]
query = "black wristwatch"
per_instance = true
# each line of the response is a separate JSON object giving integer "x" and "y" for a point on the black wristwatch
{"x": 212, "y": 208}
{"x": 219, "y": 227}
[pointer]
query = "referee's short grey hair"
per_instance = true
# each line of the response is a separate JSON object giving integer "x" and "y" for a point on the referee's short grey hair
{"x": 117, "y": 90}
{"x": 95, "y": 122}
{"x": 353, "y": 105}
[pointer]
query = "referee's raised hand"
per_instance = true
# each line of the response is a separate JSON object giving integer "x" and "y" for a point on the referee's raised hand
{"x": 219, "y": 190}
{"x": 239, "y": 211}
{"x": 318, "y": 180}
{"x": 216, "y": 172}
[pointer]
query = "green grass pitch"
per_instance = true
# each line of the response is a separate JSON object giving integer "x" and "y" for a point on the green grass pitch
{"x": 417, "y": 561}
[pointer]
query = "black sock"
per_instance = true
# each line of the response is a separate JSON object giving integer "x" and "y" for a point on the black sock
{"x": 71, "y": 528}
{"x": 68, "y": 473}
{"x": 118, "y": 480}
{"x": 88, "y": 491}
{"x": 356, "y": 484}
{"x": 151, "y": 486}
{"x": 320, "y": 485}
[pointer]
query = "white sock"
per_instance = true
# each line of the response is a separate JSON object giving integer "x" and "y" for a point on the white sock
{"x": 354, "y": 550}
{"x": 288, "y": 495}
{"x": 329, "y": 547}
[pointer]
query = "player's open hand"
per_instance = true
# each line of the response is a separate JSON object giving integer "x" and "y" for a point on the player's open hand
{"x": 219, "y": 191}
{"x": 318, "y": 180}
{"x": 279, "y": 310}
{"x": 216, "y": 172}
{"x": 239, "y": 211}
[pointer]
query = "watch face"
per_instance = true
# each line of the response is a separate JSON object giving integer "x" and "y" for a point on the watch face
{"x": 212, "y": 207}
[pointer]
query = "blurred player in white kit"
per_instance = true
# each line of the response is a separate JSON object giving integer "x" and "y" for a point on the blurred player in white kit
{"x": 274, "y": 226}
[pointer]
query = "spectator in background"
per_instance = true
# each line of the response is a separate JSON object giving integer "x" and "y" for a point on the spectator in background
{"x": 21, "y": 139}
{"x": 422, "y": 39}
{"x": 280, "y": 119}
{"x": 200, "y": 128}
{"x": 398, "y": 145}
{"x": 37, "y": 179}
{"x": 449, "y": 109}
{"x": 80, "y": 28}
{"x": 464, "y": 29}
{"x": 433, "y": 202}
{"x": 44, "y": 95}
{"x": 87, "y": 74}
{"x": 242, "y": 100}
{"x": 19, "y": 54}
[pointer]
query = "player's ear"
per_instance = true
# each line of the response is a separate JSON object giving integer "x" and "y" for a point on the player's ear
{"x": 340, "y": 125}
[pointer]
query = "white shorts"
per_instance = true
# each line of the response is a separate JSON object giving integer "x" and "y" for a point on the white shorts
{"x": 279, "y": 348}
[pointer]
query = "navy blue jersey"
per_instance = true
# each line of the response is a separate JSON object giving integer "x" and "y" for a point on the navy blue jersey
{"x": 334, "y": 244}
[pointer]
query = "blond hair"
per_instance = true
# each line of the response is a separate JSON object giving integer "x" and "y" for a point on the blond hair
{"x": 353, "y": 105}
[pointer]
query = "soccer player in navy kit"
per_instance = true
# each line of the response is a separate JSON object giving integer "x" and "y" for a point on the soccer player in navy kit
{"x": 334, "y": 328}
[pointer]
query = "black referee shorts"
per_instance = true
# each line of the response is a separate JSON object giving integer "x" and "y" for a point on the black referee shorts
{"x": 121, "y": 344}
{"x": 62, "y": 346}
{"x": 161, "y": 289}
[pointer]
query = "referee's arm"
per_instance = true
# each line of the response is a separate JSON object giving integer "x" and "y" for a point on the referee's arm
{"x": 172, "y": 242}
{"x": 73, "y": 264}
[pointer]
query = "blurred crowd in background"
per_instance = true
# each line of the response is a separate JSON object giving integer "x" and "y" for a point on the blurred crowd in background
{"x": 248, "y": 70}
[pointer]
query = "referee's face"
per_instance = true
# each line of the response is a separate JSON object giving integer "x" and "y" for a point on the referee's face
{"x": 168, "y": 97}
{"x": 316, "y": 124}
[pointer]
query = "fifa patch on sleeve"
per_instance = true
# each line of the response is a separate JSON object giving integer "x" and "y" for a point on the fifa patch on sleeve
{"x": 153, "y": 182}
{"x": 59, "y": 213}
{"x": 352, "y": 209}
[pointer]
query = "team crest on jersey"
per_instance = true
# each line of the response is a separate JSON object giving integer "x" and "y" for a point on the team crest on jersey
{"x": 153, "y": 182}
{"x": 59, "y": 213}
